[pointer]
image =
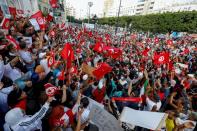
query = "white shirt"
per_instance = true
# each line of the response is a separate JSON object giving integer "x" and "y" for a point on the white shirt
{"x": 12, "y": 73}
{"x": 151, "y": 103}
{"x": 26, "y": 56}
{"x": 44, "y": 64}
{"x": 3, "y": 98}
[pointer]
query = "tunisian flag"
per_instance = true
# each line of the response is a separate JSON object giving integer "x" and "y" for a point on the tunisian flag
{"x": 113, "y": 52}
{"x": 53, "y": 3}
{"x": 40, "y": 19}
{"x": 156, "y": 40}
{"x": 13, "y": 41}
{"x": 169, "y": 42}
{"x": 68, "y": 54}
{"x": 5, "y": 24}
{"x": 101, "y": 70}
{"x": 161, "y": 58}
{"x": 98, "y": 47}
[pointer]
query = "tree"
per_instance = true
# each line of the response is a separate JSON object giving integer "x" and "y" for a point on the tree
{"x": 157, "y": 23}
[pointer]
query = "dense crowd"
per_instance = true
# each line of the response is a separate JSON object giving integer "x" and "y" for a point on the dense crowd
{"x": 47, "y": 76}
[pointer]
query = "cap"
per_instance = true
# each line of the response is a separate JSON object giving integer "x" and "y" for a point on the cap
{"x": 50, "y": 89}
{"x": 85, "y": 77}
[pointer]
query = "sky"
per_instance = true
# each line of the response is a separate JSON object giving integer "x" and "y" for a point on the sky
{"x": 81, "y": 6}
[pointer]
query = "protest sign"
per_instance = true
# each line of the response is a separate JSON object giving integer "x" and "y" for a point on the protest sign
{"x": 145, "y": 119}
{"x": 104, "y": 120}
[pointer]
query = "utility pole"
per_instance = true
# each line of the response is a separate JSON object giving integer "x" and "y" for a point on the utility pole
{"x": 117, "y": 22}
{"x": 90, "y": 4}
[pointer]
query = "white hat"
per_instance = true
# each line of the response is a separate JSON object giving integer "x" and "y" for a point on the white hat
{"x": 85, "y": 77}
{"x": 13, "y": 116}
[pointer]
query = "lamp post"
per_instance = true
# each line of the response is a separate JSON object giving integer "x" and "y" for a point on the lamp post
{"x": 117, "y": 22}
{"x": 90, "y": 4}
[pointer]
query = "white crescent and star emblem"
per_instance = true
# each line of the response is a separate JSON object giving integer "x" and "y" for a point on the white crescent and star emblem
{"x": 161, "y": 58}
{"x": 51, "y": 90}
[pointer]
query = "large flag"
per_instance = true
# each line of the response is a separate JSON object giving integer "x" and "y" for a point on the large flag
{"x": 68, "y": 54}
{"x": 5, "y": 24}
{"x": 53, "y": 3}
{"x": 113, "y": 52}
{"x": 98, "y": 47}
{"x": 40, "y": 19}
{"x": 101, "y": 70}
{"x": 161, "y": 58}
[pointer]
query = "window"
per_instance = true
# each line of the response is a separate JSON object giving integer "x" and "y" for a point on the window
{"x": 152, "y": 3}
{"x": 140, "y": 5}
{"x": 151, "y": 8}
{"x": 139, "y": 9}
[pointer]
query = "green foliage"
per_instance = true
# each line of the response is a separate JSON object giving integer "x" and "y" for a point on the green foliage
{"x": 157, "y": 23}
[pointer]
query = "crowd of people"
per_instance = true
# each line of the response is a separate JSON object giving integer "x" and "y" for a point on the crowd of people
{"x": 47, "y": 76}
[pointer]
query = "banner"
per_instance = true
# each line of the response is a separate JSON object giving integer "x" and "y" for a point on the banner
{"x": 104, "y": 120}
{"x": 145, "y": 119}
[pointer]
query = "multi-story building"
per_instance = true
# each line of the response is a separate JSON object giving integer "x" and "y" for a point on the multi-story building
{"x": 143, "y": 7}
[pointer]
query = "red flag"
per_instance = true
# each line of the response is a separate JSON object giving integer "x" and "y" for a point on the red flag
{"x": 98, "y": 47}
{"x": 5, "y": 24}
{"x": 145, "y": 52}
{"x": 156, "y": 40}
{"x": 148, "y": 40}
{"x": 13, "y": 41}
{"x": 53, "y": 3}
{"x": 12, "y": 11}
{"x": 73, "y": 70}
{"x": 62, "y": 76}
{"x": 51, "y": 59}
{"x": 161, "y": 58}
{"x": 114, "y": 52}
{"x": 49, "y": 17}
{"x": 101, "y": 70}
{"x": 40, "y": 19}
{"x": 186, "y": 51}
{"x": 171, "y": 66}
{"x": 169, "y": 42}
{"x": 67, "y": 52}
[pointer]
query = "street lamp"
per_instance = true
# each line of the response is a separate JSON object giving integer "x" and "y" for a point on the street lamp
{"x": 117, "y": 22}
{"x": 90, "y": 4}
